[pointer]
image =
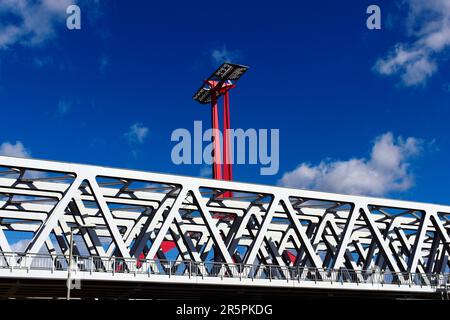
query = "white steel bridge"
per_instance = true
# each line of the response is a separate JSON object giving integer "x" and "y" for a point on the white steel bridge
{"x": 134, "y": 232}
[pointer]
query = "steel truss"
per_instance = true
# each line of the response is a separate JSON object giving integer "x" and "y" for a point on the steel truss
{"x": 142, "y": 217}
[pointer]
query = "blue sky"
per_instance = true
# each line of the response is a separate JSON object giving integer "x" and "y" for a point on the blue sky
{"x": 372, "y": 105}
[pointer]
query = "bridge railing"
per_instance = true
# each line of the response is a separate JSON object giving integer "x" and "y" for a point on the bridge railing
{"x": 30, "y": 262}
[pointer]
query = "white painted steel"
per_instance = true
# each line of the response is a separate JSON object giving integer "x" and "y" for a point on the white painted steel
{"x": 299, "y": 234}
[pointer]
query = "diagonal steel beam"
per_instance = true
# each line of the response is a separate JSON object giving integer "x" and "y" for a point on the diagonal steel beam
{"x": 378, "y": 237}
{"x": 416, "y": 251}
{"x": 52, "y": 220}
{"x": 345, "y": 238}
{"x": 256, "y": 244}
{"x": 109, "y": 219}
{"x": 166, "y": 223}
{"x": 210, "y": 224}
{"x": 314, "y": 258}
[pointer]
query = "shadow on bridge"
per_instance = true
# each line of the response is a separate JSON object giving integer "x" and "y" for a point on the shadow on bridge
{"x": 56, "y": 289}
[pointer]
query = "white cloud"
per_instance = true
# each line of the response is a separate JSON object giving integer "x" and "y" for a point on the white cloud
{"x": 137, "y": 133}
{"x": 14, "y": 150}
{"x": 225, "y": 55}
{"x": 387, "y": 170}
{"x": 428, "y": 25}
{"x": 35, "y": 21}
{"x": 18, "y": 150}
{"x": 104, "y": 63}
{"x": 20, "y": 245}
{"x": 40, "y": 62}
{"x": 64, "y": 107}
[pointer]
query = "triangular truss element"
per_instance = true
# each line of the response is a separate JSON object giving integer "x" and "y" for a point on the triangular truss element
{"x": 122, "y": 214}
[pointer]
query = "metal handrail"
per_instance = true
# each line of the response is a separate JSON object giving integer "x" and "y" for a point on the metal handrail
{"x": 117, "y": 265}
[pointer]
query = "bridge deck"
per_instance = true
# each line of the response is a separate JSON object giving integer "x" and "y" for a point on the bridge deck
{"x": 142, "y": 275}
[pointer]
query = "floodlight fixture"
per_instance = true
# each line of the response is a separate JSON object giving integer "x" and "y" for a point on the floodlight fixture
{"x": 222, "y": 80}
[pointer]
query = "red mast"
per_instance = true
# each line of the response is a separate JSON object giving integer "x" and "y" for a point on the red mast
{"x": 217, "y": 85}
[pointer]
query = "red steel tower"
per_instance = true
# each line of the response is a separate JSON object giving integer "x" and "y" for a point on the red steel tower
{"x": 219, "y": 84}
